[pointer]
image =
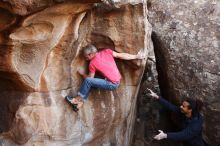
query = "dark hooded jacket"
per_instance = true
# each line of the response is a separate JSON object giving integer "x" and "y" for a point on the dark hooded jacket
{"x": 191, "y": 131}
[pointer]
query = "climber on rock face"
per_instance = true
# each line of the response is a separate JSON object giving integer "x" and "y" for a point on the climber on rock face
{"x": 104, "y": 63}
{"x": 191, "y": 133}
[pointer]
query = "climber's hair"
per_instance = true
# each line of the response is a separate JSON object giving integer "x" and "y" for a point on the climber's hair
{"x": 89, "y": 49}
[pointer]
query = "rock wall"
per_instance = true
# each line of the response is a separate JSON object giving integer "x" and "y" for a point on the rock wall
{"x": 40, "y": 43}
{"x": 186, "y": 41}
{"x": 151, "y": 115}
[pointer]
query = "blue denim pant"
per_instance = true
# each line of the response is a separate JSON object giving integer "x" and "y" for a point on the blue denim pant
{"x": 96, "y": 83}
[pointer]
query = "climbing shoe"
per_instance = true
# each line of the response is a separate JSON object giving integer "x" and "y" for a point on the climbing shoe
{"x": 69, "y": 100}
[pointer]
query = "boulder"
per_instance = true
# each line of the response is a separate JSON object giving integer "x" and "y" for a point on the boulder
{"x": 186, "y": 41}
{"x": 39, "y": 63}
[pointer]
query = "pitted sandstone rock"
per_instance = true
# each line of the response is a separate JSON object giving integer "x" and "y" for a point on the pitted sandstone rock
{"x": 42, "y": 55}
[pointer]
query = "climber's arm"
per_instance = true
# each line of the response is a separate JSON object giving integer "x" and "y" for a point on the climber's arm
{"x": 81, "y": 73}
{"x": 127, "y": 56}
